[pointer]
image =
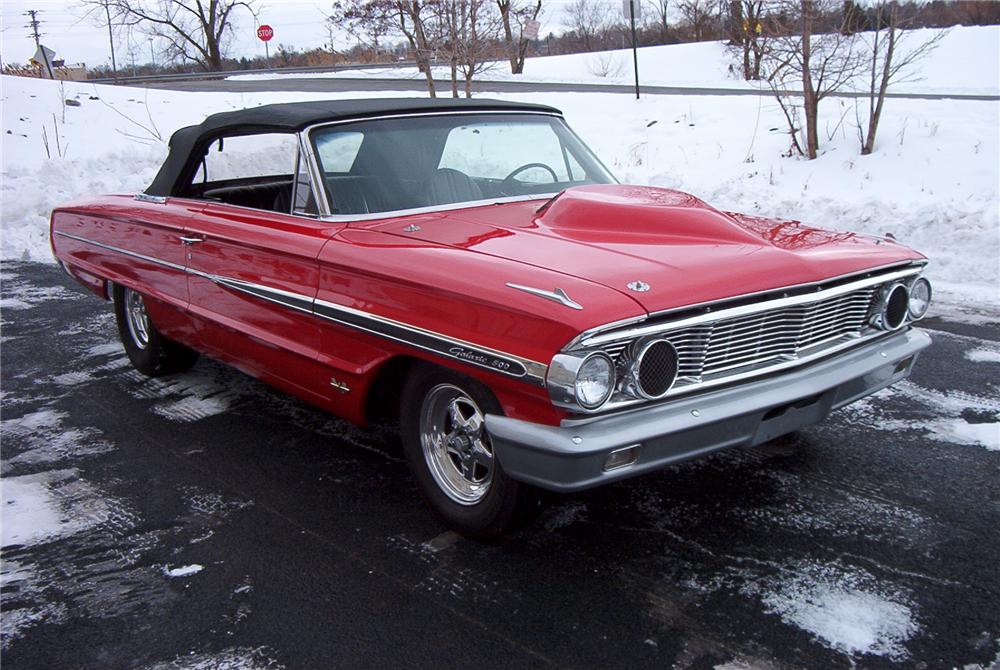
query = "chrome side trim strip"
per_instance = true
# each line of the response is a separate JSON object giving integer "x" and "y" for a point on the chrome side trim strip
{"x": 557, "y": 295}
{"x": 155, "y": 199}
{"x": 442, "y": 345}
{"x": 133, "y": 254}
{"x": 288, "y": 299}
{"x": 467, "y": 352}
{"x": 744, "y": 310}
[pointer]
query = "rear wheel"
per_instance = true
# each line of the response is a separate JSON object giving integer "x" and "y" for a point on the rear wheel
{"x": 150, "y": 352}
{"x": 452, "y": 457}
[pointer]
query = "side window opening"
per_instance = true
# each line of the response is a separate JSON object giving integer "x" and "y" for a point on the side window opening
{"x": 256, "y": 171}
{"x": 303, "y": 198}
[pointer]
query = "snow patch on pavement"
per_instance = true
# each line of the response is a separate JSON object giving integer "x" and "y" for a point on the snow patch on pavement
{"x": 949, "y": 408}
{"x": 983, "y": 355}
{"x": 845, "y": 609}
{"x": 47, "y": 506}
{"x": 16, "y": 621}
{"x": 44, "y": 439}
{"x": 237, "y": 658}
{"x": 183, "y": 571}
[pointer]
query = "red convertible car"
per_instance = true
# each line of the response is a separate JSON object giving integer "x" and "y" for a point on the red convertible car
{"x": 474, "y": 267}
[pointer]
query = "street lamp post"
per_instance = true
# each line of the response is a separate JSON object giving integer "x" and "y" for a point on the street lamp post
{"x": 152, "y": 58}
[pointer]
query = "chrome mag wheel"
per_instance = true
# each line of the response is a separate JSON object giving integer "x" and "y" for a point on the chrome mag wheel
{"x": 137, "y": 318}
{"x": 455, "y": 444}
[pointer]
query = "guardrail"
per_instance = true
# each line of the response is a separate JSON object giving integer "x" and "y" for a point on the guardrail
{"x": 189, "y": 76}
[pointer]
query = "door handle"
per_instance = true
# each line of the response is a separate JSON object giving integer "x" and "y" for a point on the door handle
{"x": 192, "y": 240}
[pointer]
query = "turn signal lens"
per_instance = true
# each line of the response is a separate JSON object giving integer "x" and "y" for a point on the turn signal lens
{"x": 619, "y": 458}
{"x": 920, "y": 298}
{"x": 595, "y": 380}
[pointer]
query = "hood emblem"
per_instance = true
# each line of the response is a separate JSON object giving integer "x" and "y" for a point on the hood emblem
{"x": 638, "y": 286}
{"x": 557, "y": 295}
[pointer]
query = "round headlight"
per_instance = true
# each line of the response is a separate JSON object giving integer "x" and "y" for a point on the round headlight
{"x": 595, "y": 380}
{"x": 920, "y": 298}
{"x": 895, "y": 307}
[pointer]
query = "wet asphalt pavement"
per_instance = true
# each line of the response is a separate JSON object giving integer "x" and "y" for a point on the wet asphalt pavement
{"x": 206, "y": 521}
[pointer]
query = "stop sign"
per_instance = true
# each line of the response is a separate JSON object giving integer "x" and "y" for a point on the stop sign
{"x": 265, "y": 33}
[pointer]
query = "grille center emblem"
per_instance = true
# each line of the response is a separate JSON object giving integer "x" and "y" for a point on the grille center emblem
{"x": 638, "y": 286}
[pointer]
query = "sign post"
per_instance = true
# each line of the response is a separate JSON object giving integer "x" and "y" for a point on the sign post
{"x": 264, "y": 34}
{"x": 632, "y": 10}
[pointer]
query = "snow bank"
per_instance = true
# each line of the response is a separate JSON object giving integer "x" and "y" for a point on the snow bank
{"x": 707, "y": 64}
{"x": 932, "y": 181}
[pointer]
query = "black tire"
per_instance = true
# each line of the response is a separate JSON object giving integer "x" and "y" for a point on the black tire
{"x": 151, "y": 353}
{"x": 506, "y": 503}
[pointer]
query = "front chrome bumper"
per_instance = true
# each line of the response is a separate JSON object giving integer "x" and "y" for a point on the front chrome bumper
{"x": 571, "y": 457}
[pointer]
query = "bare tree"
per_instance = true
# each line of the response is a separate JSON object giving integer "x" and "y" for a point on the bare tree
{"x": 890, "y": 58}
{"x": 100, "y": 11}
{"x": 660, "y": 14}
{"x": 369, "y": 22}
{"x": 477, "y": 34}
{"x": 822, "y": 63}
{"x": 748, "y": 41}
{"x": 590, "y": 20}
{"x": 516, "y": 13}
{"x": 419, "y": 21}
{"x": 196, "y": 31}
{"x": 699, "y": 15}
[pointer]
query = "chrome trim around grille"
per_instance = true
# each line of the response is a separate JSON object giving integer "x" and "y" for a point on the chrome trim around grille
{"x": 647, "y": 328}
{"x": 749, "y": 340}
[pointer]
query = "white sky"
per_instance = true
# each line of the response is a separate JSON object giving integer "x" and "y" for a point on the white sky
{"x": 296, "y": 23}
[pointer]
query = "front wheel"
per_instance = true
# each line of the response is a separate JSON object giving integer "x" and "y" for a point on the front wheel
{"x": 452, "y": 457}
{"x": 150, "y": 352}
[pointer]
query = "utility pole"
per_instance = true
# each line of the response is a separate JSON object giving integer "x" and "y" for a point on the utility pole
{"x": 633, "y": 6}
{"x": 152, "y": 58}
{"x": 34, "y": 24}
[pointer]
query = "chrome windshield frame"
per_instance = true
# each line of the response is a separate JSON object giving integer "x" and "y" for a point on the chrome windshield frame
{"x": 316, "y": 171}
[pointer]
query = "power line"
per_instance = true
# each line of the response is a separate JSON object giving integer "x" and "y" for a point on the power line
{"x": 34, "y": 24}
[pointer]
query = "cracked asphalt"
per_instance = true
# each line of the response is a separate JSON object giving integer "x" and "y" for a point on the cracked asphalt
{"x": 205, "y": 520}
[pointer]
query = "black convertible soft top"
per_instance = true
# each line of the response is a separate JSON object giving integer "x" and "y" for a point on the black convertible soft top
{"x": 192, "y": 142}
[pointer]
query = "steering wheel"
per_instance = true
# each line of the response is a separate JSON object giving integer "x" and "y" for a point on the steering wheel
{"x": 527, "y": 166}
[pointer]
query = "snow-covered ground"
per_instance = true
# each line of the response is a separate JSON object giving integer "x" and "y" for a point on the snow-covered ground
{"x": 932, "y": 182}
{"x": 707, "y": 64}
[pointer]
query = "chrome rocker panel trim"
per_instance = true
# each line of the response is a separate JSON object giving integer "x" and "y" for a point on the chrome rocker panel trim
{"x": 470, "y": 353}
{"x": 571, "y": 457}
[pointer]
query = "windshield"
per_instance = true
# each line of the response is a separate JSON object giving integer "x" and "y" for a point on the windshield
{"x": 410, "y": 162}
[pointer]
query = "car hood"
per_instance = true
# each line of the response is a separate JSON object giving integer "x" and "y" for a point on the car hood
{"x": 684, "y": 250}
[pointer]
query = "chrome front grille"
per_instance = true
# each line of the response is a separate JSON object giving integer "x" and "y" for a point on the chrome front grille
{"x": 717, "y": 348}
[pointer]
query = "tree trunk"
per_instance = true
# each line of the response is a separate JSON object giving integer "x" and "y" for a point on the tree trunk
{"x": 876, "y": 115}
{"x": 737, "y": 34}
{"x": 810, "y": 103}
{"x": 508, "y": 35}
{"x": 423, "y": 52}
